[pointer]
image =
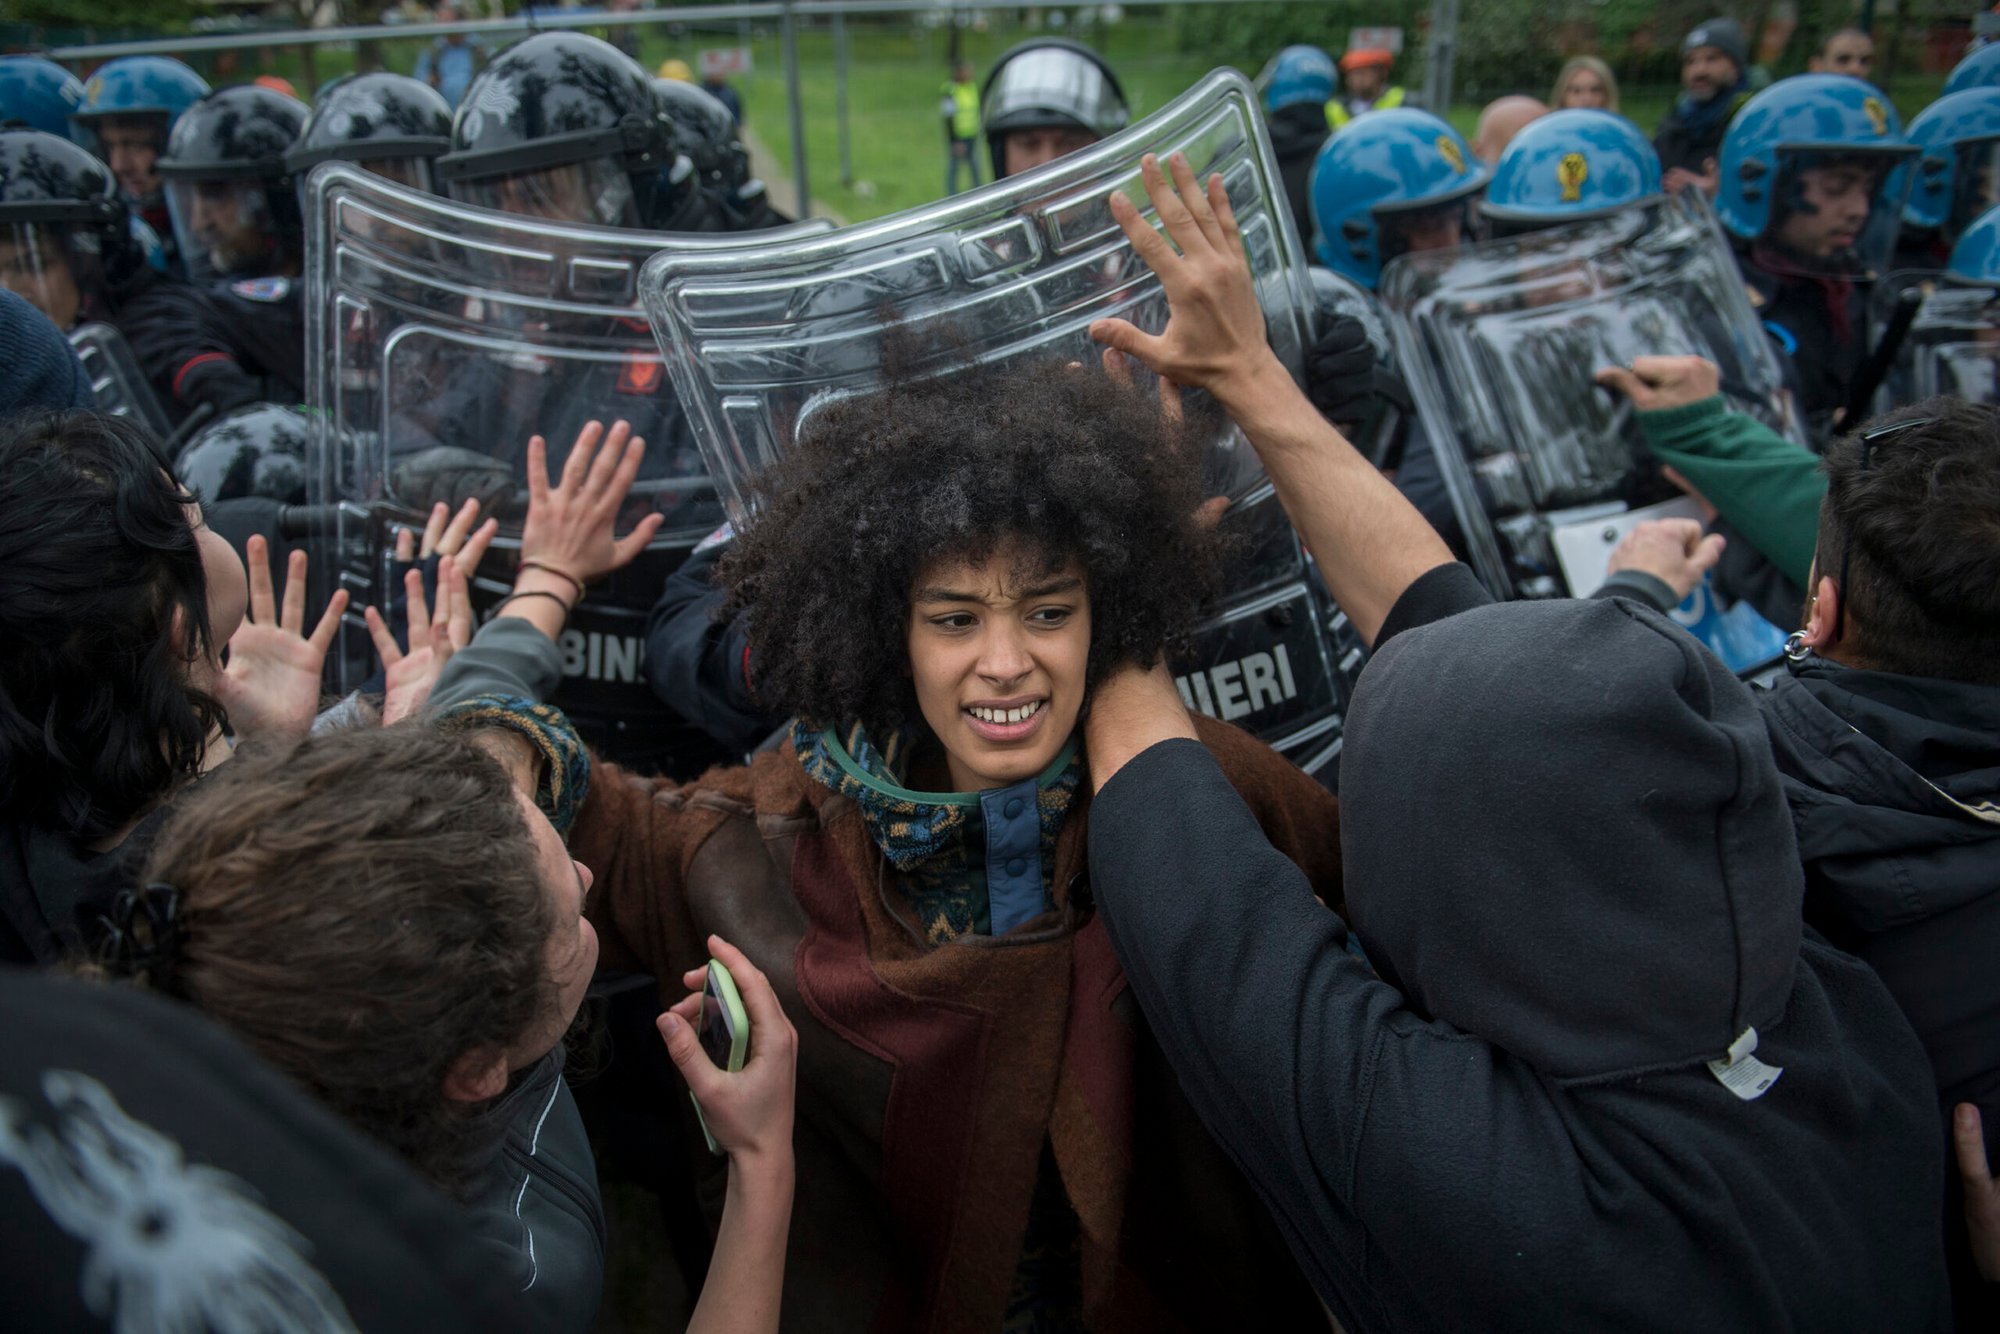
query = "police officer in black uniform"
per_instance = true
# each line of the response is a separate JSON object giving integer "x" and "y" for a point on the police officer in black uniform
{"x": 706, "y": 133}
{"x": 67, "y": 243}
{"x": 236, "y": 334}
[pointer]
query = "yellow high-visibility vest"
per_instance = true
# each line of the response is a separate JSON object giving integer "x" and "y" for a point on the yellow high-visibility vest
{"x": 965, "y": 119}
{"x": 1336, "y": 110}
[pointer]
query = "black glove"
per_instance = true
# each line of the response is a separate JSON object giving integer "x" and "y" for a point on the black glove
{"x": 454, "y": 476}
{"x": 1340, "y": 371}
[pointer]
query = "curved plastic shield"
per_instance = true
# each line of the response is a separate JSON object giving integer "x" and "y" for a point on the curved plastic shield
{"x": 117, "y": 382}
{"x": 439, "y": 338}
{"x": 1951, "y": 344}
{"x": 1499, "y": 342}
{"x": 756, "y": 338}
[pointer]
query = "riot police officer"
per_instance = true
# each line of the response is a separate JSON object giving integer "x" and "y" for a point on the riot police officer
{"x": 1956, "y": 176}
{"x": 1570, "y": 166}
{"x": 1297, "y": 84}
{"x": 1045, "y": 98}
{"x": 1803, "y": 171}
{"x": 1391, "y": 183}
{"x": 706, "y": 134}
{"x": 66, "y": 239}
{"x": 567, "y": 127}
{"x": 234, "y": 213}
{"x": 391, "y": 124}
{"x": 1980, "y": 69}
{"x": 38, "y": 93}
{"x": 130, "y": 107}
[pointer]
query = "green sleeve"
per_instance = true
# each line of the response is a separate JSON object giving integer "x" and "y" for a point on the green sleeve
{"x": 1761, "y": 482}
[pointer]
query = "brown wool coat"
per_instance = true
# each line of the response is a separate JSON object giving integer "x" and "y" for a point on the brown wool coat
{"x": 931, "y": 1077}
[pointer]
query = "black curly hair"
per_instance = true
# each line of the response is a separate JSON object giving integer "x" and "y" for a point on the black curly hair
{"x": 1066, "y": 463}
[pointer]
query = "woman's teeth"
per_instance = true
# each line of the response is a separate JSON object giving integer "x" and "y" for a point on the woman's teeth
{"x": 1020, "y": 715}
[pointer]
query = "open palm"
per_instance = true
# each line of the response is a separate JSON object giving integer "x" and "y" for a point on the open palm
{"x": 270, "y": 685}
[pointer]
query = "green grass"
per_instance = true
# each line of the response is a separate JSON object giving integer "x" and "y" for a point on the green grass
{"x": 896, "y": 71}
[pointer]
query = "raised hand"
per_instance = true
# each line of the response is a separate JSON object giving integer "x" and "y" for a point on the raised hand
{"x": 570, "y": 529}
{"x": 1653, "y": 383}
{"x": 408, "y": 677}
{"x": 271, "y": 685}
{"x": 1214, "y": 337}
{"x": 1673, "y": 551}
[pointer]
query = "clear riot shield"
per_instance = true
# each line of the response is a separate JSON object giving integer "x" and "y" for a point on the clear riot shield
{"x": 756, "y": 338}
{"x": 439, "y": 337}
{"x": 1950, "y": 343}
{"x": 117, "y": 382}
{"x": 1499, "y": 342}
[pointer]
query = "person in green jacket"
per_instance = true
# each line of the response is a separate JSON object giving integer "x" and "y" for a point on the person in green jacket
{"x": 1767, "y": 486}
{"x": 960, "y": 109}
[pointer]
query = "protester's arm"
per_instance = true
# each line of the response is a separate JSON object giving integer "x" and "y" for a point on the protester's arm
{"x": 750, "y": 1114}
{"x": 567, "y": 540}
{"x": 700, "y": 666}
{"x": 1274, "y": 1028}
{"x": 1371, "y": 544}
{"x": 1764, "y": 484}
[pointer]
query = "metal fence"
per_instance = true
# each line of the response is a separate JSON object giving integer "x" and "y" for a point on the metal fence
{"x": 786, "y": 14}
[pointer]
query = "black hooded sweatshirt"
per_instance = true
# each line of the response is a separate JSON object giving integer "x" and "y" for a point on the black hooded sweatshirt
{"x": 1296, "y": 135}
{"x": 1577, "y": 897}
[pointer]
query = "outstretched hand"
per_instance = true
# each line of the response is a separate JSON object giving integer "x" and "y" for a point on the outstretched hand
{"x": 1214, "y": 338}
{"x": 570, "y": 527}
{"x": 408, "y": 677}
{"x": 1982, "y": 1190}
{"x": 749, "y": 1111}
{"x": 270, "y": 686}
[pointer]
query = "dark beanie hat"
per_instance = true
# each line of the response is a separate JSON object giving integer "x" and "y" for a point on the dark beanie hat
{"x": 1563, "y": 832}
{"x": 1725, "y": 35}
{"x": 38, "y": 367}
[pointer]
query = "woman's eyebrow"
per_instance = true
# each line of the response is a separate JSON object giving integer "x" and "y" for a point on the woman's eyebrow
{"x": 945, "y": 595}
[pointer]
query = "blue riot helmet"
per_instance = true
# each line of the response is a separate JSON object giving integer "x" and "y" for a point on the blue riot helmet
{"x": 1568, "y": 166}
{"x": 38, "y": 93}
{"x": 1981, "y": 69}
{"x": 1390, "y": 182}
{"x": 1976, "y": 257}
{"x": 129, "y": 108}
{"x": 1954, "y": 179}
{"x": 390, "y": 124}
{"x": 1298, "y": 74}
{"x": 1803, "y": 174}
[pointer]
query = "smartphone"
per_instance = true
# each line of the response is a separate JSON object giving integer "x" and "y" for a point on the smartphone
{"x": 724, "y": 1030}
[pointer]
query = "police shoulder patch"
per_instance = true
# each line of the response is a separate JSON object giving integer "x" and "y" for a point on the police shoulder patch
{"x": 267, "y": 290}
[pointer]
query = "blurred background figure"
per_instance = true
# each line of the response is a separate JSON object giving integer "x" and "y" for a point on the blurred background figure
{"x": 958, "y": 104}
{"x": 718, "y": 88}
{"x": 1297, "y": 84}
{"x": 1847, "y": 51}
{"x": 1502, "y": 119}
{"x": 1365, "y": 86}
{"x": 1715, "y": 62}
{"x": 1586, "y": 83}
{"x": 452, "y": 59}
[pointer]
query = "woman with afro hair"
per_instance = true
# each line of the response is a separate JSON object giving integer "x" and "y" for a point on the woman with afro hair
{"x": 988, "y": 1137}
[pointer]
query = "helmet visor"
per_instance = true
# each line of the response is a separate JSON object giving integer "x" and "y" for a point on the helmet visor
{"x": 1406, "y": 231}
{"x": 597, "y": 191}
{"x": 1053, "y": 86}
{"x": 1975, "y": 185}
{"x": 51, "y": 266}
{"x": 1831, "y": 213}
{"x": 224, "y": 228}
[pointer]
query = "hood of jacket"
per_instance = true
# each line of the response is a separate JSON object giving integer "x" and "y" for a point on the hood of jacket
{"x": 1599, "y": 876}
{"x": 1894, "y": 785}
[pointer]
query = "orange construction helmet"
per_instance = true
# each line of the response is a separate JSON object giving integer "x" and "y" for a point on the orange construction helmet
{"x": 1366, "y": 57}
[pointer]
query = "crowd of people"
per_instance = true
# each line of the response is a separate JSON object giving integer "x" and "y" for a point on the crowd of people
{"x": 1597, "y": 987}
